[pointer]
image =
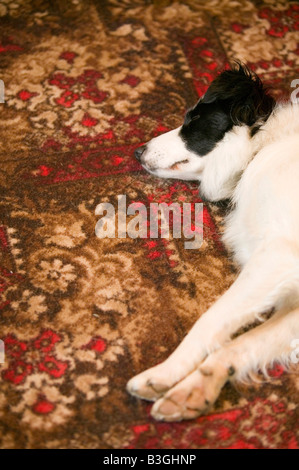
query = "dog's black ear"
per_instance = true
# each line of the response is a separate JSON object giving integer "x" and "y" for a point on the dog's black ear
{"x": 253, "y": 103}
{"x": 255, "y": 108}
{"x": 242, "y": 95}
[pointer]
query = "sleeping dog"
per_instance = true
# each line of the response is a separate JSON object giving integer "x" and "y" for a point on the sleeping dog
{"x": 239, "y": 145}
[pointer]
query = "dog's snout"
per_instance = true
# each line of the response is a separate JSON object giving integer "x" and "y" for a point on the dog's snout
{"x": 139, "y": 151}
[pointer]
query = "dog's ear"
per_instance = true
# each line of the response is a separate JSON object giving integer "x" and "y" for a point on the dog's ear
{"x": 242, "y": 95}
{"x": 255, "y": 105}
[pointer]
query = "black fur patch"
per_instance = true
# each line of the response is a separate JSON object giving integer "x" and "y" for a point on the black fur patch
{"x": 202, "y": 133}
{"x": 235, "y": 97}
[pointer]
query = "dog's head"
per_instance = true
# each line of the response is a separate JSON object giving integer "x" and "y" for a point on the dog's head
{"x": 213, "y": 145}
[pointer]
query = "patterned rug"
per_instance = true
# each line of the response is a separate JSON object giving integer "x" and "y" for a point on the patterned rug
{"x": 86, "y": 82}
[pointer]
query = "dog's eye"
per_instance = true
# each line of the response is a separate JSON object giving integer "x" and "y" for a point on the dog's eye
{"x": 195, "y": 118}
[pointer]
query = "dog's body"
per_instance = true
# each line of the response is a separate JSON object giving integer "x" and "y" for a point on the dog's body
{"x": 241, "y": 146}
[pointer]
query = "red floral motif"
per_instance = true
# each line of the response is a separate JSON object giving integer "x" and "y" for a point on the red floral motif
{"x": 90, "y": 164}
{"x": 27, "y": 357}
{"x": 97, "y": 344}
{"x": 51, "y": 144}
{"x": 204, "y": 61}
{"x": 26, "y": 95}
{"x": 159, "y": 129}
{"x": 68, "y": 56}
{"x": 44, "y": 170}
{"x": 7, "y": 278}
{"x": 3, "y": 238}
{"x": 43, "y": 406}
{"x": 276, "y": 371}
{"x": 270, "y": 73}
{"x": 106, "y": 157}
{"x": 238, "y": 27}
{"x": 227, "y": 430}
{"x": 18, "y": 372}
{"x": 9, "y": 47}
{"x": 83, "y": 86}
{"x": 88, "y": 121}
{"x": 266, "y": 64}
{"x": 282, "y": 21}
{"x": 131, "y": 80}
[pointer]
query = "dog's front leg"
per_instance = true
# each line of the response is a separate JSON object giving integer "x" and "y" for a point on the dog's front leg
{"x": 254, "y": 350}
{"x": 261, "y": 285}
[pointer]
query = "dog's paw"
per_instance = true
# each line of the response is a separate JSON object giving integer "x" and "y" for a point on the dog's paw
{"x": 192, "y": 397}
{"x": 151, "y": 384}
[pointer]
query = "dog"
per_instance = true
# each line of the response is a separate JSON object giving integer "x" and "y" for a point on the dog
{"x": 239, "y": 144}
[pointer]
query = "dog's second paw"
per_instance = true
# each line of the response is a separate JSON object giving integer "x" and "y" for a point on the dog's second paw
{"x": 150, "y": 385}
{"x": 184, "y": 401}
{"x": 193, "y": 396}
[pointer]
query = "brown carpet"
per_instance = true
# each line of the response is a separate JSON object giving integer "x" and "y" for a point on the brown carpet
{"x": 86, "y": 82}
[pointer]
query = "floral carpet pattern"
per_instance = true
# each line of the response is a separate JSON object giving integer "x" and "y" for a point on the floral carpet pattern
{"x": 86, "y": 82}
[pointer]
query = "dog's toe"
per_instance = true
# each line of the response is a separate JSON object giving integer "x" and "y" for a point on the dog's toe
{"x": 166, "y": 409}
{"x": 147, "y": 387}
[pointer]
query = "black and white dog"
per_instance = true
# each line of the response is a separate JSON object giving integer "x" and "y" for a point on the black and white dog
{"x": 239, "y": 145}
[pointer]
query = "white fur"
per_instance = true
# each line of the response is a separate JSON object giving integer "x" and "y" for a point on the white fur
{"x": 224, "y": 165}
{"x": 168, "y": 149}
{"x": 231, "y": 154}
{"x": 261, "y": 175}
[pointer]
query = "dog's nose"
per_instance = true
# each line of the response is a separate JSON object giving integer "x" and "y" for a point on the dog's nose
{"x": 139, "y": 151}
